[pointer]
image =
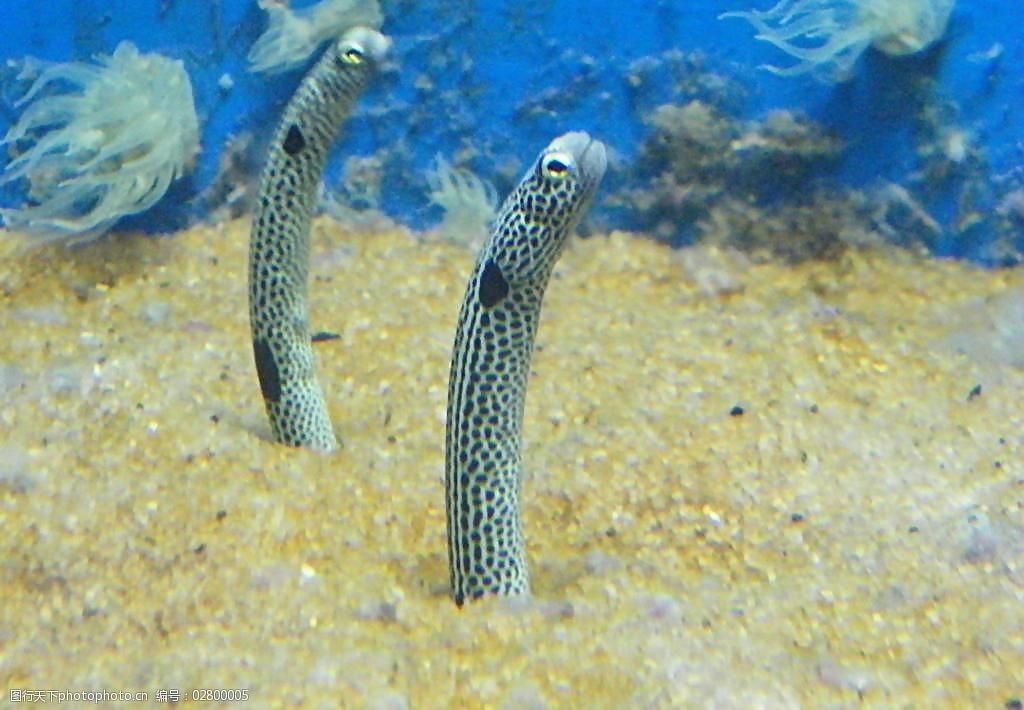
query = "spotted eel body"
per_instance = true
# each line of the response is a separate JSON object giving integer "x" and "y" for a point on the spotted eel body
{"x": 491, "y": 364}
{"x": 279, "y": 241}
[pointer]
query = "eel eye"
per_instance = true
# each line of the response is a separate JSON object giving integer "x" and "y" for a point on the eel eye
{"x": 352, "y": 55}
{"x": 556, "y": 165}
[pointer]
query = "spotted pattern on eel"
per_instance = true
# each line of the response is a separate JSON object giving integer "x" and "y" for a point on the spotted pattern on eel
{"x": 491, "y": 363}
{"x": 279, "y": 240}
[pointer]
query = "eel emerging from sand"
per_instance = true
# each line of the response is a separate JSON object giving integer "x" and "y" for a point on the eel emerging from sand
{"x": 279, "y": 241}
{"x": 491, "y": 364}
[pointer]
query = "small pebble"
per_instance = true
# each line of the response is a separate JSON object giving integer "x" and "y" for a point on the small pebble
{"x": 388, "y": 700}
{"x": 11, "y": 378}
{"x": 597, "y": 562}
{"x": 64, "y": 380}
{"x": 525, "y": 697}
{"x": 156, "y": 312}
{"x": 14, "y": 473}
{"x": 41, "y": 315}
{"x": 378, "y": 611}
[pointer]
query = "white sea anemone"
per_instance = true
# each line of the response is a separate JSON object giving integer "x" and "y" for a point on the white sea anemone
{"x": 828, "y": 36}
{"x": 470, "y": 204}
{"x": 110, "y": 149}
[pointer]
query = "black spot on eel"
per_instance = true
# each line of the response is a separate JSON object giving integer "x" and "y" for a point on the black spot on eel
{"x": 279, "y": 240}
{"x": 491, "y": 364}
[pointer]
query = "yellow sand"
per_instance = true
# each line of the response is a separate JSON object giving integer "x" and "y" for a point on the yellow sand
{"x": 857, "y": 533}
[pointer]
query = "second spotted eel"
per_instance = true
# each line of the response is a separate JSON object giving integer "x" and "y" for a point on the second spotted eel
{"x": 491, "y": 365}
{"x": 279, "y": 242}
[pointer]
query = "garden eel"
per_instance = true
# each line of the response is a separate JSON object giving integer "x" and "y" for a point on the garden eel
{"x": 491, "y": 363}
{"x": 279, "y": 241}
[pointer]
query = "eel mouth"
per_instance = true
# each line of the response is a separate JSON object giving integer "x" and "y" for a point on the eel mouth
{"x": 594, "y": 159}
{"x": 590, "y": 154}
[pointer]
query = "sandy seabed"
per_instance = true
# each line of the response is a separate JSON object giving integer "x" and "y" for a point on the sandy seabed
{"x": 798, "y": 486}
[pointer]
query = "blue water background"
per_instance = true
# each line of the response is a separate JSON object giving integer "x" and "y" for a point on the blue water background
{"x": 508, "y": 76}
